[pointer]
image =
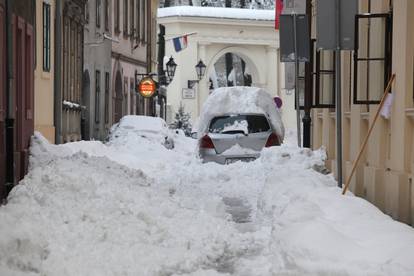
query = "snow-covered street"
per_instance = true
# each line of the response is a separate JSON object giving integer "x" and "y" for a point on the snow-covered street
{"x": 132, "y": 207}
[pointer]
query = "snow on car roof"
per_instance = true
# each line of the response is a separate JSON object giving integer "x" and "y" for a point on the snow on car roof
{"x": 146, "y": 123}
{"x": 240, "y": 99}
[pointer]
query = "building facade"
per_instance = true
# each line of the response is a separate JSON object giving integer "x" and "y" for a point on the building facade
{"x": 129, "y": 55}
{"x": 384, "y": 46}
{"x": 17, "y": 42}
{"x": 44, "y": 72}
{"x": 96, "y": 90}
{"x": 68, "y": 105}
{"x": 253, "y": 45}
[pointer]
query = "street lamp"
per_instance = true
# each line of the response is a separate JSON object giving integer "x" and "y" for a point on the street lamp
{"x": 171, "y": 66}
{"x": 201, "y": 70}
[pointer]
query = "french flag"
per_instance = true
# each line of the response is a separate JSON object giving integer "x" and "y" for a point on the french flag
{"x": 180, "y": 43}
{"x": 278, "y": 12}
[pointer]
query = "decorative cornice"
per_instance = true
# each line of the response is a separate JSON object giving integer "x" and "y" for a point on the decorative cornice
{"x": 125, "y": 58}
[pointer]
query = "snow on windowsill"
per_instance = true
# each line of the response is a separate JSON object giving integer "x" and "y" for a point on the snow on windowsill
{"x": 72, "y": 105}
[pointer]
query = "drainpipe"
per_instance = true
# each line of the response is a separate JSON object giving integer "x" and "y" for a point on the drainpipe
{"x": 10, "y": 116}
{"x": 161, "y": 73}
{"x": 58, "y": 74}
{"x": 307, "y": 119}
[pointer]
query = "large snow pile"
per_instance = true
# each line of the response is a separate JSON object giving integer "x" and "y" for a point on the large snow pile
{"x": 240, "y": 99}
{"x": 229, "y": 13}
{"x": 89, "y": 208}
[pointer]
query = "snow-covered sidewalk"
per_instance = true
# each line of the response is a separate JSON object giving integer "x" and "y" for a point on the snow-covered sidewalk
{"x": 132, "y": 207}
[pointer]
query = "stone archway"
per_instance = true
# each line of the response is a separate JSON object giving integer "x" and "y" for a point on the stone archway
{"x": 258, "y": 74}
{"x": 118, "y": 97}
{"x": 243, "y": 54}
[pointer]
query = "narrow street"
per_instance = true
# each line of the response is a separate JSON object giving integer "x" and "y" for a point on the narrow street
{"x": 131, "y": 207}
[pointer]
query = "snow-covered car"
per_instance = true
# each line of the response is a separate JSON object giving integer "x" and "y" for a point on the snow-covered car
{"x": 152, "y": 129}
{"x": 236, "y": 123}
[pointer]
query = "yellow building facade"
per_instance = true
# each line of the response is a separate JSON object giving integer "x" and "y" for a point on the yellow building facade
{"x": 44, "y": 71}
{"x": 385, "y": 47}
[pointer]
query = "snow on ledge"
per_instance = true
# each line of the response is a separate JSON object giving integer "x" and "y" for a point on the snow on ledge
{"x": 230, "y": 13}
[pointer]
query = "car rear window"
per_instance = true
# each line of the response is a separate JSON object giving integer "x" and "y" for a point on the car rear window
{"x": 239, "y": 124}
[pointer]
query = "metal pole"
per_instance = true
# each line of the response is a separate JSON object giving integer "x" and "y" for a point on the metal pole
{"x": 307, "y": 119}
{"x": 58, "y": 74}
{"x": 338, "y": 100}
{"x": 296, "y": 81}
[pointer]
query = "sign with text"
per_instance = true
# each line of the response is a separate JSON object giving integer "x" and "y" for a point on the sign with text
{"x": 147, "y": 87}
{"x": 188, "y": 93}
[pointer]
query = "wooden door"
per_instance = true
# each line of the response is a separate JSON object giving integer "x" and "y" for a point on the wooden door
{"x": 24, "y": 83}
{"x": 118, "y": 98}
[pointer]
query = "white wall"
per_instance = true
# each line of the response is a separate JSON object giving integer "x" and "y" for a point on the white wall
{"x": 256, "y": 42}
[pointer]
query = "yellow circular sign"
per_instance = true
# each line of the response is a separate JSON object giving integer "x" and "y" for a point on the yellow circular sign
{"x": 147, "y": 87}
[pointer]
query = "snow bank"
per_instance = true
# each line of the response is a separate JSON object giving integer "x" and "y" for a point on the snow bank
{"x": 215, "y": 12}
{"x": 240, "y": 99}
{"x": 135, "y": 208}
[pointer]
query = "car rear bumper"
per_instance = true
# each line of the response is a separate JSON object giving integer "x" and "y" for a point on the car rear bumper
{"x": 226, "y": 159}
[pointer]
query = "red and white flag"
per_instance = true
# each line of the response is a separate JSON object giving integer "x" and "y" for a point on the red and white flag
{"x": 278, "y": 12}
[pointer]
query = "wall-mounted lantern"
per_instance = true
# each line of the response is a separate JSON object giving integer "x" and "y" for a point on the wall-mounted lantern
{"x": 201, "y": 70}
{"x": 171, "y": 66}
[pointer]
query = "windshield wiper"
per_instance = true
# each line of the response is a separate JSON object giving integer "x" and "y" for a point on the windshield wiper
{"x": 234, "y": 131}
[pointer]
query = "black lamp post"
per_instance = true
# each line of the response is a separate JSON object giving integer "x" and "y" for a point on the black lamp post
{"x": 201, "y": 70}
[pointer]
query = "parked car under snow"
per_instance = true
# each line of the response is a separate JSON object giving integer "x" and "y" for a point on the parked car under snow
{"x": 151, "y": 129}
{"x": 236, "y": 123}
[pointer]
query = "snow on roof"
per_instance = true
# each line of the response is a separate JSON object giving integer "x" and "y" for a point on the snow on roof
{"x": 230, "y": 13}
{"x": 240, "y": 99}
{"x": 145, "y": 123}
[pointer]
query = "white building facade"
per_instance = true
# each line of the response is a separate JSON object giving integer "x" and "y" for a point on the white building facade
{"x": 212, "y": 33}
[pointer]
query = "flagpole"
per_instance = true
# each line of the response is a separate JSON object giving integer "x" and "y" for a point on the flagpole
{"x": 181, "y": 36}
{"x": 348, "y": 181}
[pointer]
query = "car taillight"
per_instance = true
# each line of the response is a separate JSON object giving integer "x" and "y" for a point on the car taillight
{"x": 206, "y": 142}
{"x": 273, "y": 140}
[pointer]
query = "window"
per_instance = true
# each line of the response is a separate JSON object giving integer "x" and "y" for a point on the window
{"x": 132, "y": 96}
{"x": 144, "y": 21}
{"x": 325, "y": 79}
{"x": 125, "y": 14}
{"x": 321, "y": 78}
{"x": 116, "y": 14}
{"x": 98, "y": 13}
{"x": 132, "y": 19}
{"x": 106, "y": 14}
{"x": 97, "y": 95}
{"x": 87, "y": 12}
{"x": 372, "y": 64}
{"x": 138, "y": 27}
{"x": 106, "y": 97}
{"x": 46, "y": 37}
{"x": 239, "y": 124}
